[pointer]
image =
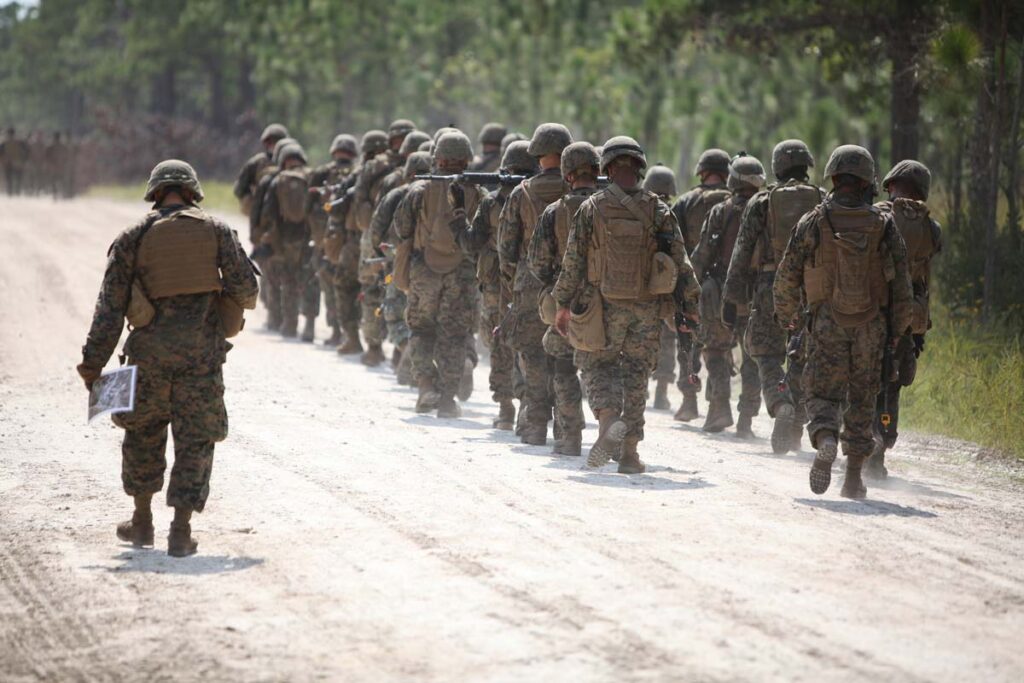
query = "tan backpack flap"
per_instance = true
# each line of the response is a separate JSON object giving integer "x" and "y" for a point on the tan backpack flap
{"x": 699, "y": 210}
{"x": 403, "y": 264}
{"x": 292, "y": 190}
{"x": 913, "y": 220}
{"x": 434, "y": 236}
{"x": 140, "y": 310}
{"x": 586, "y": 324}
{"x": 232, "y": 315}
{"x": 787, "y": 204}
{"x": 547, "y": 307}
{"x": 664, "y": 274}
{"x": 851, "y": 240}
{"x": 178, "y": 255}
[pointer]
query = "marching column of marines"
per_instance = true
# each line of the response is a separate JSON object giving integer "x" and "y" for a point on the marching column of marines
{"x": 585, "y": 276}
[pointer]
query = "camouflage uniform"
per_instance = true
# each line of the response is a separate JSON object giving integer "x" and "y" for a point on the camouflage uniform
{"x": 253, "y": 169}
{"x": 329, "y": 174}
{"x": 14, "y": 154}
{"x": 179, "y": 356}
{"x": 526, "y": 330}
{"x": 844, "y": 366}
{"x": 547, "y": 248}
{"x": 289, "y": 240}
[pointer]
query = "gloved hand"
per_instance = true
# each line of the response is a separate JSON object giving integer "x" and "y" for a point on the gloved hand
{"x": 457, "y": 196}
{"x": 729, "y": 314}
{"x": 918, "y": 345}
{"x": 89, "y": 374}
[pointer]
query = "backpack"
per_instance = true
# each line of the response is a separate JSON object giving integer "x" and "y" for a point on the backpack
{"x": 292, "y": 192}
{"x": 787, "y": 204}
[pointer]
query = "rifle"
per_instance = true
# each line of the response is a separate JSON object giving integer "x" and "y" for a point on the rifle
{"x": 343, "y": 199}
{"x": 888, "y": 371}
{"x": 477, "y": 178}
{"x": 793, "y": 347}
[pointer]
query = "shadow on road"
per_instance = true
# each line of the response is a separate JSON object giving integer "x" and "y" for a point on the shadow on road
{"x": 643, "y": 482}
{"x": 865, "y": 508}
{"x": 158, "y": 562}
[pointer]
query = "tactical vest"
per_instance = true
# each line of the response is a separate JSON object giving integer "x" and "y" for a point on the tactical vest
{"x": 362, "y": 209}
{"x": 434, "y": 237}
{"x": 622, "y": 245}
{"x": 487, "y": 266}
{"x": 564, "y": 214}
{"x": 921, "y": 237}
{"x": 848, "y": 270}
{"x": 725, "y": 239}
{"x": 699, "y": 210}
{"x": 292, "y": 191}
{"x": 178, "y": 255}
{"x": 538, "y": 191}
{"x": 787, "y": 204}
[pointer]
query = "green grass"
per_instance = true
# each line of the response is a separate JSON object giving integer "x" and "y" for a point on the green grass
{"x": 218, "y": 194}
{"x": 969, "y": 385}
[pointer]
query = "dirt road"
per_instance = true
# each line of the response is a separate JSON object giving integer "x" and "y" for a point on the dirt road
{"x": 347, "y": 538}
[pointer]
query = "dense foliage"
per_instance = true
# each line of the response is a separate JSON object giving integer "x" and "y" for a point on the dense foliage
{"x": 940, "y": 80}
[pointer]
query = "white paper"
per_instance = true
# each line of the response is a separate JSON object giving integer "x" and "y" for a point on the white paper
{"x": 113, "y": 392}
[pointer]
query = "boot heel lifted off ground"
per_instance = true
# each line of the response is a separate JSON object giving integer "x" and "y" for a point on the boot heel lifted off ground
{"x": 821, "y": 470}
{"x": 608, "y": 445}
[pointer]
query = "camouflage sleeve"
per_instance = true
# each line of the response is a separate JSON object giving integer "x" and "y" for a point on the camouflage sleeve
{"x": 901, "y": 290}
{"x": 701, "y": 256}
{"x": 542, "y": 252}
{"x": 510, "y": 234}
{"x": 479, "y": 233}
{"x": 245, "y": 178}
{"x": 112, "y": 302}
{"x": 739, "y": 280}
{"x": 408, "y": 210}
{"x": 383, "y": 215}
{"x": 687, "y": 290}
{"x": 257, "y": 224}
{"x": 574, "y": 263}
{"x": 788, "y": 288}
{"x": 238, "y": 277}
{"x": 316, "y": 179}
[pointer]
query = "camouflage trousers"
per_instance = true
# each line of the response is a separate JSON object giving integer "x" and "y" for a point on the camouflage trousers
{"x": 565, "y": 384}
{"x": 684, "y": 349}
{"x": 766, "y": 342}
{"x": 842, "y": 379}
{"x": 263, "y": 263}
{"x": 346, "y": 284}
{"x": 310, "y": 304}
{"x": 371, "y": 301}
{"x": 286, "y": 285}
{"x": 617, "y": 377}
{"x": 393, "y": 310}
{"x": 193, "y": 406}
{"x": 526, "y": 338}
{"x": 665, "y": 370}
{"x": 325, "y": 276}
{"x": 440, "y": 314}
{"x": 719, "y": 341}
{"x": 502, "y": 355}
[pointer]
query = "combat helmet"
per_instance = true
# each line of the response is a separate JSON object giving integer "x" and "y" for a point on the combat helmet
{"x": 344, "y": 143}
{"x": 400, "y": 127}
{"x": 913, "y": 172}
{"x": 441, "y": 131}
{"x": 275, "y": 156}
{"x": 492, "y": 134}
{"x": 509, "y": 139}
{"x": 453, "y": 146}
{"x": 374, "y": 142}
{"x": 712, "y": 160}
{"x": 274, "y": 131}
{"x": 579, "y": 156}
{"x": 745, "y": 171}
{"x": 622, "y": 145}
{"x": 517, "y": 159}
{"x": 418, "y": 162}
{"x": 549, "y": 138}
{"x": 173, "y": 172}
{"x": 851, "y": 160}
{"x": 661, "y": 180}
{"x": 293, "y": 149}
{"x": 790, "y": 153}
{"x": 412, "y": 142}
{"x": 427, "y": 146}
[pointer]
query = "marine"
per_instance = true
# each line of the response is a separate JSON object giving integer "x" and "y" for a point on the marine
{"x": 625, "y": 270}
{"x": 661, "y": 180}
{"x": 182, "y": 279}
{"x": 847, "y": 262}
{"x": 253, "y": 169}
{"x": 490, "y": 156}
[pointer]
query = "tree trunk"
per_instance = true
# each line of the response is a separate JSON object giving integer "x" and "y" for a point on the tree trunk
{"x": 1013, "y": 148}
{"x": 218, "y": 108}
{"x": 907, "y": 39}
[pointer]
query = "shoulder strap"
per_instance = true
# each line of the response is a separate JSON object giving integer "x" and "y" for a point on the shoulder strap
{"x": 629, "y": 203}
{"x": 150, "y": 221}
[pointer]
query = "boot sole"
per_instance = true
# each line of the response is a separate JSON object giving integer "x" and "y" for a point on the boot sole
{"x": 606, "y": 446}
{"x": 182, "y": 552}
{"x": 821, "y": 470}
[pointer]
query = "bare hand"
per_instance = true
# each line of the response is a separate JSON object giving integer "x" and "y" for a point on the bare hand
{"x": 562, "y": 321}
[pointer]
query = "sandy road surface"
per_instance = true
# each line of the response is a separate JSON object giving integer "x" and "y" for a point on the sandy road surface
{"x": 349, "y": 539}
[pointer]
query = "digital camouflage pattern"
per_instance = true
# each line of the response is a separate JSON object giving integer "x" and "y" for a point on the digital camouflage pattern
{"x": 289, "y": 261}
{"x": 617, "y": 377}
{"x": 842, "y": 376}
{"x": 330, "y": 173}
{"x": 179, "y": 356}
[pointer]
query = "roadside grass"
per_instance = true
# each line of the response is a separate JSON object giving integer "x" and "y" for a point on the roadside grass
{"x": 218, "y": 194}
{"x": 969, "y": 385}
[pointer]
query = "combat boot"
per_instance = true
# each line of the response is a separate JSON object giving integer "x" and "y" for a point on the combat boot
{"x": 796, "y": 442}
{"x": 535, "y": 434}
{"x": 782, "y": 430}
{"x": 571, "y": 444}
{"x": 138, "y": 530}
{"x": 351, "y": 345}
{"x": 179, "y": 541}
{"x": 335, "y": 337}
{"x": 448, "y": 408}
{"x": 876, "y": 463}
{"x": 853, "y": 485}
{"x": 719, "y": 416}
{"x": 661, "y": 396}
{"x": 290, "y": 329}
{"x": 821, "y": 470}
{"x": 428, "y": 398}
{"x": 631, "y": 462}
{"x": 466, "y": 382}
{"x": 373, "y": 356}
{"x": 309, "y": 331}
{"x": 396, "y": 358}
{"x": 506, "y": 416}
{"x": 611, "y": 431}
{"x": 744, "y": 426}
{"x": 404, "y": 373}
{"x": 688, "y": 411}
{"x": 273, "y": 321}
{"x": 521, "y": 418}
